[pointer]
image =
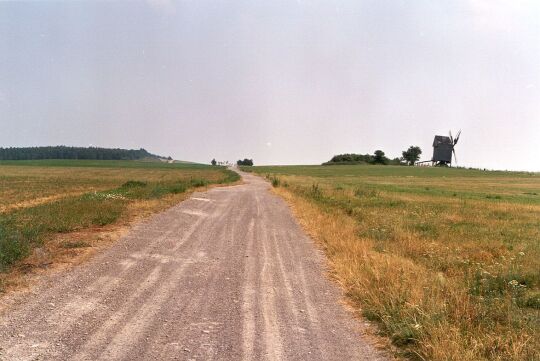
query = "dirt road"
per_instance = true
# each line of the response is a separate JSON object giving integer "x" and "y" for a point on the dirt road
{"x": 225, "y": 275}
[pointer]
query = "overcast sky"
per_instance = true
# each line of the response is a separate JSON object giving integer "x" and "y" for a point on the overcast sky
{"x": 283, "y": 82}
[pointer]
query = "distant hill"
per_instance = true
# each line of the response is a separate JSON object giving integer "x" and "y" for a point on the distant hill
{"x": 63, "y": 152}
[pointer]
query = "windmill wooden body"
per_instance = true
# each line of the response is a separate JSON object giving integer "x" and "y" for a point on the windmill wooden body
{"x": 443, "y": 148}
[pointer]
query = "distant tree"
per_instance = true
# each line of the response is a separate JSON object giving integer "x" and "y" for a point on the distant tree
{"x": 213, "y": 161}
{"x": 169, "y": 158}
{"x": 248, "y": 162}
{"x": 412, "y": 155}
{"x": 379, "y": 157}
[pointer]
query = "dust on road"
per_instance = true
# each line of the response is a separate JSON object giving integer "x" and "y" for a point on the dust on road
{"x": 225, "y": 275}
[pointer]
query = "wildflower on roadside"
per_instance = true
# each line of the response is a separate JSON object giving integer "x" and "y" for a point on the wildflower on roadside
{"x": 513, "y": 283}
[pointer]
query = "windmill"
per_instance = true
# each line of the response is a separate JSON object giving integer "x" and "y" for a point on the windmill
{"x": 443, "y": 148}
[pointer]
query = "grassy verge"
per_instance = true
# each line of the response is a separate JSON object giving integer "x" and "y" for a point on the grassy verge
{"x": 23, "y": 229}
{"x": 447, "y": 269}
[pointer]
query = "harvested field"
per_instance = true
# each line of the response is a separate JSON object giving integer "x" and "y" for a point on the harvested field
{"x": 447, "y": 261}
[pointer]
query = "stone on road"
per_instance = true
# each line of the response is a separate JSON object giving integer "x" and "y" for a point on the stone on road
{"x": 225, "y": 275}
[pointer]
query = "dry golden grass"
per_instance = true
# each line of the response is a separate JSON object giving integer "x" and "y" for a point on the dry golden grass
{"x": 450, "y": 272}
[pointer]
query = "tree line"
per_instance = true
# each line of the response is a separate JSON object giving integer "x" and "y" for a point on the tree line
{"x": 64, "y": 152}
{"x": 221, "y": 162}
{"x": 248, "y": 162}
{"x": 409, "y": 156}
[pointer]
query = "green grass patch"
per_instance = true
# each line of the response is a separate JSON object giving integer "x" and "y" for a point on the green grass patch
{"x": 14, "y": 243}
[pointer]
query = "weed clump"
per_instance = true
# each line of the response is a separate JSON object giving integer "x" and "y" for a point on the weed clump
{"x": 199, "y": 183}
{"x": 133, "y": 184}
{"x": 532, "y": 301}
{"x": 275, "y": 181}
{"x": 13, "y": 244}
{"x": 178, "y": 188}
{"x": 230, "y": 177}
{"x": 365, "y": 193}
{"x": 315, "y": 191}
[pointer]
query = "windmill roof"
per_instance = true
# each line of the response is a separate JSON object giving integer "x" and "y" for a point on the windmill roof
{"x": 441, "y": 139}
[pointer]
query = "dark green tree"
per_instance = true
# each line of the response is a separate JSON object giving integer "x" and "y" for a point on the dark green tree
{"x": 213, "y": 161}
{"x": 412, "y": 155}
{"x": 248, "y": 162}
{"x": 379, "y": 157}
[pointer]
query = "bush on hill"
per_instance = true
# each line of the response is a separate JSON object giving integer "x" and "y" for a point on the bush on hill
{"x": 351, "y": 158}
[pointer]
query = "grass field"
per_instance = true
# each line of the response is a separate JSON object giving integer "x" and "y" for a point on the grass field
{"x": 39, "y": 199}
{"x": 446, "y": 261}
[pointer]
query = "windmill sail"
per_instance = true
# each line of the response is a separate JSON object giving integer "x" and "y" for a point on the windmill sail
{"x": 457, "y": 137}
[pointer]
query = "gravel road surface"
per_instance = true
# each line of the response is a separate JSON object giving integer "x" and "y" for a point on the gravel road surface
{"x": 225, "y": 275}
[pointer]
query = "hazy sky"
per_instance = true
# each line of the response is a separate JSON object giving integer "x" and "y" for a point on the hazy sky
{"x": 283, "y": 82}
